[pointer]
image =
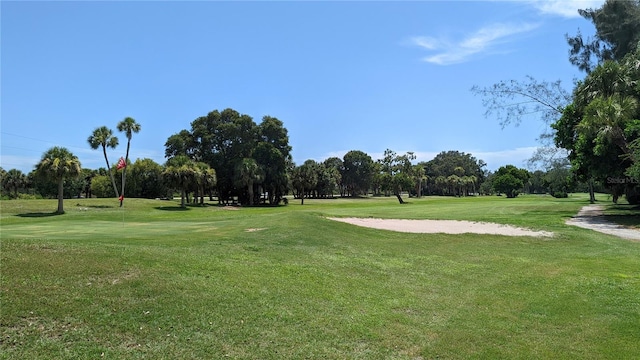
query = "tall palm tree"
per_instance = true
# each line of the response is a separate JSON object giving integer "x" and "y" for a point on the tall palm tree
{"x": 128, "y": 126}
{"x": 59, "y": 163}
{"x": 103, "y": 137}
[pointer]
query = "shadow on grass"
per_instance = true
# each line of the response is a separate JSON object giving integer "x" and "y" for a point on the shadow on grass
{"x": 172, "y": 208}
{"x": 630, "y": 220}
{"x": 39, "y": 214}
{"x": 97, "y": 206}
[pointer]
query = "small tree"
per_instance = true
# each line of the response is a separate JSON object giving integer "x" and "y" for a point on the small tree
{"x": 510, "y": 180}
{"x": 58, "y": 163}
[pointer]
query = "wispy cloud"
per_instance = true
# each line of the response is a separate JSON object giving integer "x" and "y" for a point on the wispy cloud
{"x": 481, "y": 41}
{"x": 564, "y": 8}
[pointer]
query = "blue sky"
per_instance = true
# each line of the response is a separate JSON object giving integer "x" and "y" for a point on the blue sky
{"x": 340, "y": 75}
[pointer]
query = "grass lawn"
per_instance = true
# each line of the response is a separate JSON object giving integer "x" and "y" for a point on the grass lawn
{"x": 153, "y": 281}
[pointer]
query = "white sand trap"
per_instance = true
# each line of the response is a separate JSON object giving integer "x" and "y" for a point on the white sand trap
{"x": 442, "y": 226}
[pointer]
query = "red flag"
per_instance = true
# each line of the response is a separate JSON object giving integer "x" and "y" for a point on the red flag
{"x": 121, "y": 164}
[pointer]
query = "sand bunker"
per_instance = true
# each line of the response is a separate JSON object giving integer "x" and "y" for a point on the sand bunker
{"x": 442, "y": 226}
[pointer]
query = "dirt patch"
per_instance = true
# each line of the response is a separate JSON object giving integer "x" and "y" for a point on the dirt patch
{"x": 443, "y": 226}
{"x": 591, "y": 217}
{"x": 254, "y": 229}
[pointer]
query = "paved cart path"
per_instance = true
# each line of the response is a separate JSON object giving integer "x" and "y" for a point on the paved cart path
{"x": 592, "y": 217}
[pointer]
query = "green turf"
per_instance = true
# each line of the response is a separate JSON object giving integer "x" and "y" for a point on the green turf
{"x": 152, "y": 281}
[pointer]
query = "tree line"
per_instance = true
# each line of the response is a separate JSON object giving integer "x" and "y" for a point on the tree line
{"x": 255, "y": 169}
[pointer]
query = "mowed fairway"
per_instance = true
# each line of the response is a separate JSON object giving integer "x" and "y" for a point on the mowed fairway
{"x": 157, "y": 282}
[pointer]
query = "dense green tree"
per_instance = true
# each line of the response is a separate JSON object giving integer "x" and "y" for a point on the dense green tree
{"x": 537, "y": 183}
{"x": 181, "y": 143}
{"x": 129, "y": 126}
{"x": 335, "y": 167}
{"x": 600, "y": 127}
{"x": 559, "y": 181}
{"x": 222, "y": 139}
{"x": 103, "y": 137}
{"x": 145, "y": 180}
{"x": 329, "y": 177}
{"x": 617, "y": 25}
{"x": 510, "y": 180}
{"x": 486, "y": 188}
{"x": 59, "y": 164}
{"x": 273, "y": 154}
{"x": 357, "y": 172}
{"x": 449, "y": 163}
{"x": 100, "y": 186}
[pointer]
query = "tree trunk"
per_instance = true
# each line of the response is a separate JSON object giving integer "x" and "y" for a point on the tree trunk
{"x": 592, "y": 195}
{"x": 182, "y": 196}
{"x": 399, "y": 198}
{"x": 250, "y": 191}
{"x": 124, "y": 171}
{"x": 113, "y": 180}
{"x": 60, "y": 196}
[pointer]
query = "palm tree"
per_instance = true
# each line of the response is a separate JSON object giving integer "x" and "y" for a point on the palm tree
{"x": 14, "y": 179}
{"x": 180, "y": 173}
{"x": 441, "y": 183}
{"x": 419, "y": 175}
{"x": 128, "y": 126}
{"x": 248, "y": 172}
{"x": 206, "y": 178}
{"x": 103, "y": 137}
{"x": 607, "y": 117}
{"x": 59, "y": 163}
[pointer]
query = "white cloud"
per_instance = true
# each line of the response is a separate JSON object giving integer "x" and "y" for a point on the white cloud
{"x": 482, "y": 40}
{"x": 565, "y": 8}
{"x": 22, "y": 163}
{"x": 495, "y": 159}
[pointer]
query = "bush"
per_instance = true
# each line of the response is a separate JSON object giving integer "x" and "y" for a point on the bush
{"x": 560, "y": 194}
